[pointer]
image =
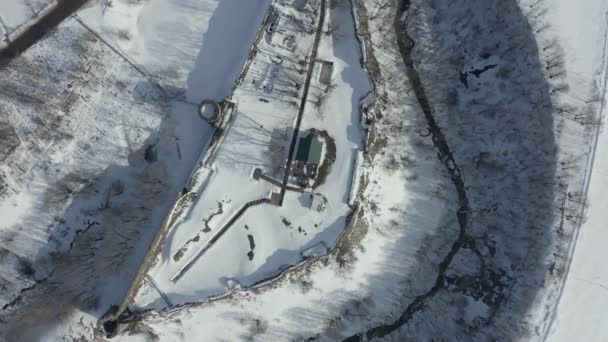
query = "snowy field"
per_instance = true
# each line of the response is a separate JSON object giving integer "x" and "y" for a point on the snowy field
{"x": 96, "y": 146}
{"x": 580, "y": 314}
{"x": 501, "y": 283}
{"x": 370, "y": 262}
{"x": 192, "y": 53}
{"x": 268, "y": 239}
{"x": 16, "y": 14}
{"x": 109, "y": 135}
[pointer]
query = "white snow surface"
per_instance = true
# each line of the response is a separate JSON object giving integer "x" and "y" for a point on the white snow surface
{"x": 83, "y": 107}
{"x": 282, "y": 235}
{"x": 581, "y": 312}
{"x": 581, "y": 28}
{"x": 200, "y": 42}
{"x": 313, "y": 297}
{"x": 16, "y": 14}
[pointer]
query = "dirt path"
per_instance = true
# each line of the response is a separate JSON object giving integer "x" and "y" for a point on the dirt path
{"x": 39, "y": 29}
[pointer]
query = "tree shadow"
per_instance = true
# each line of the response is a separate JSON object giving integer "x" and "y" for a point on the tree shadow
{"x": 500, "y": 132}
{"x": 117, "y": 212}
{"x": 503, "y": 142}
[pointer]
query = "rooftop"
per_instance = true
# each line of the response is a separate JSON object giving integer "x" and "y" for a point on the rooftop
{"x": 309, "y": 149}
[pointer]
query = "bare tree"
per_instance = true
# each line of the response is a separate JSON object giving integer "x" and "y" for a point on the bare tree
{"x": 319, "y": 98}
{"x": 331, "y": 86}
{"x": 333, "y": 30}
{"x": 380, "y": 7}
{"x": 62, "y": 190}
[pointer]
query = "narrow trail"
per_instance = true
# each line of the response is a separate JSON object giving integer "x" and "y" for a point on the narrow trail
{"x": 406, "y": 46}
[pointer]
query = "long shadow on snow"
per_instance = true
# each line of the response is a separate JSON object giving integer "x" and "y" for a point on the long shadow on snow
{"x": 219, "y": 53}
{"x": 221, "y": 50}
{"x": 117, "y": 214}
{"x": 506, "y": 153}
{"x": 116, "y": 224}
{"x": 358, "y": 80}
{"x": 103, "y": 257}
{"x": 503, "y": 143}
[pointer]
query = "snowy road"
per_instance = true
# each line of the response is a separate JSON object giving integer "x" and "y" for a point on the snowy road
{"x": 581, "y": 311}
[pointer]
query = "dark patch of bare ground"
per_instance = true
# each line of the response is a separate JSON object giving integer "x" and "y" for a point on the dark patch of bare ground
{"x": 251, "y": 246}
{"x": 507, "y": 237}
{"x": 180, "y": 253}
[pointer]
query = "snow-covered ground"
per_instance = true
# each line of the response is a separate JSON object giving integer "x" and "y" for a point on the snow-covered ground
{"x": 97, "y": 144}
{"x": 525, "y": 268}
{"x": 581, "y": 311}
{"x": 267, "y": 239}
{"x": 521, "y": 153}
{"x": 16, "y": 14}
{"x": 358, "y": 282}
{"x": 95, "y": 148}
{"x": 196, "y": 52}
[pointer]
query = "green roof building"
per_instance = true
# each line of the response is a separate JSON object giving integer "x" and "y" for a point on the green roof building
{"x": 309, "y": 149}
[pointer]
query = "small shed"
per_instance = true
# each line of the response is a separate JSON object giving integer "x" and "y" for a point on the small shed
{"x": 309, "y": 149}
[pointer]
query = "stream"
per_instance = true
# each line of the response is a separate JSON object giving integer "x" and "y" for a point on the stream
{"x": 406, "y": 46}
